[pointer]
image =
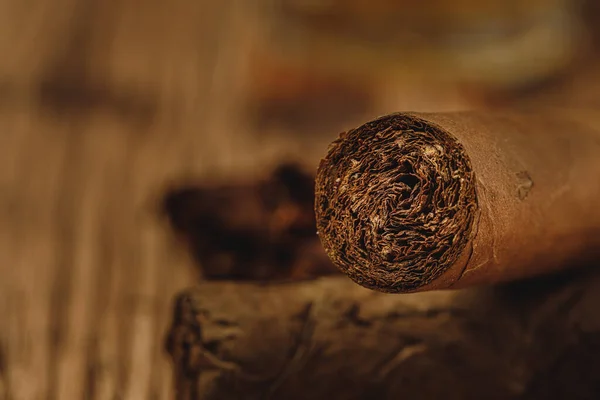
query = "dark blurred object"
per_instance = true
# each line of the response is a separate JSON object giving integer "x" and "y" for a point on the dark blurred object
{"x": 260, "y": 231}
{"x": 591, "y": 16}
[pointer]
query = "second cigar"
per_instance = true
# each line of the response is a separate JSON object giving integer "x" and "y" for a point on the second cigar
{"x": 411, "y": 202}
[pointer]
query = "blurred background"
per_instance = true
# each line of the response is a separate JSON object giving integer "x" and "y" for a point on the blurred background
{"x": 132, "y": 132}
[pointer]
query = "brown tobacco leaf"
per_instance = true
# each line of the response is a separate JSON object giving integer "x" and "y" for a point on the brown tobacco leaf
{"x": 395, "y": 203}
{"x": 261, "y": 230}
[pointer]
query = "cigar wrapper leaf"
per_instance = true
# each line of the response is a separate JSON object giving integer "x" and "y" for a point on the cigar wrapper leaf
{"x": 332, "y": 339}
{"x": 411, "y": 202}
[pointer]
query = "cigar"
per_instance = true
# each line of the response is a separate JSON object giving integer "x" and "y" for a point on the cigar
{"x": 331, "y": 339}
{"x": 412, "y": 202}
{"x": 260, "y": 229}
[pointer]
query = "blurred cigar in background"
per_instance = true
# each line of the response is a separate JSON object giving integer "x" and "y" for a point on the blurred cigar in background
{"x": 413, "y": 202}
{"x": 256, "y": 230}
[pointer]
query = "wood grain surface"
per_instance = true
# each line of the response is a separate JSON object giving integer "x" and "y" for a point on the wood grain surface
{"x": 102, "y": 104}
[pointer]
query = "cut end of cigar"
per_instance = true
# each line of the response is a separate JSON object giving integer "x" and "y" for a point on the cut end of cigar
{"x": 395, "y": 203}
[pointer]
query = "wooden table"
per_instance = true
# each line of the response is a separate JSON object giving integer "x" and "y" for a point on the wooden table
{"x": 102, "y": 104}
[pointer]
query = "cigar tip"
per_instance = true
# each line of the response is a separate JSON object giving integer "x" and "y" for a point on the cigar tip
{"x": 395, "y": 201}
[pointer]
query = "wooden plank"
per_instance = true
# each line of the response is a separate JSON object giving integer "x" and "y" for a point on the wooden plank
{"x": 104, "y": 106}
